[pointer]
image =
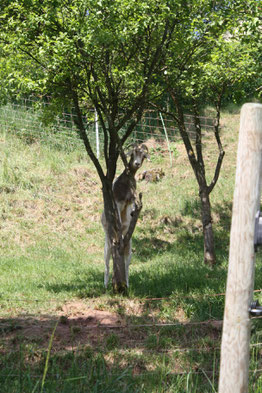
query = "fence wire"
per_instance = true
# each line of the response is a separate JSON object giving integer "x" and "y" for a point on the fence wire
{"x": 30, "y": 119}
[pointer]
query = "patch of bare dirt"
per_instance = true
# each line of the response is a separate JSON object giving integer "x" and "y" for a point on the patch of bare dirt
{"x": 153, "y": 144}
{"x": 92, "y": 317}
{"x": 76, "y": 325}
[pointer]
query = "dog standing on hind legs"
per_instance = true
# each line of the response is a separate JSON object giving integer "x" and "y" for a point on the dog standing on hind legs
{"x": 124, "y": 192}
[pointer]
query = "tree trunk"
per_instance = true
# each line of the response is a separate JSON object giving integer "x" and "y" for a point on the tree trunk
{"x": 114, "y": 234}
{"x": 197, "y": 162}
{"x": 209, "y": 250}
{"x": 119, "y": 271}
{"x": 118, "y": 243}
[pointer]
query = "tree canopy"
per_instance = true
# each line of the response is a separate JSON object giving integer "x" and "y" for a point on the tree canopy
{"x": 112, "y": 52}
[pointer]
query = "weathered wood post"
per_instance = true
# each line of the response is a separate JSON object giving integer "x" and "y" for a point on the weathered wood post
{"x": 234, "y": 365}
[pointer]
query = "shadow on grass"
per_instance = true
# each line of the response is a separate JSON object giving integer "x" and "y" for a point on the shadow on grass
{"x": 161, "y": 268}
{"x": 148, "y": 247}
{"x": 88, "y": 283}
{"x": 100, "y": 360}
{"x": 89, "y": 356}
{"x": 188, "y": 237}
{"x": 223, "y": 211}
{"x": 191, "y": 208}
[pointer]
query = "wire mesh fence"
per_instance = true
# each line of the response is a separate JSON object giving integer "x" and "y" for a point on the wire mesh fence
{"x": 27, "y": 120}
{"x": 30, "y": 119}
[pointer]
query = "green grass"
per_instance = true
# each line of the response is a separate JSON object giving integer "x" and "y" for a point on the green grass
{"x": 51, "y": 263}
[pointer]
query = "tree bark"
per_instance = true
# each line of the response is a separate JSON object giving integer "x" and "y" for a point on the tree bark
{"x": 114, "y": 234}
{"x": 119, "y": 271}
{"x": 209, "y": 249}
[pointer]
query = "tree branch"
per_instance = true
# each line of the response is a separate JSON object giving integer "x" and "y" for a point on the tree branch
{"x": 198, "y": 129}
{"x": 161, "y": 109}
{"x": 135, "y": 215}
{"x": 219, "y": 143}
{"x": 82, "y": 132}
{"x": 181, "y": 125}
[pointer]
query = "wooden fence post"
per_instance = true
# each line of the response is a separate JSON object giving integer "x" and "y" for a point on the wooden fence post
{"x": 234, "y": 364}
